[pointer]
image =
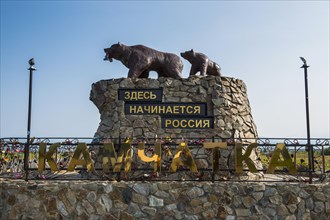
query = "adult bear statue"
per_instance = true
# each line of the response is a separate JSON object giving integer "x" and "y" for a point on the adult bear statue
{"x": 200, "y": 62}
{"x": 140, "y": 60}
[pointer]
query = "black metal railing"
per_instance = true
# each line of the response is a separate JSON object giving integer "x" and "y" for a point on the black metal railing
{"x": 13, "y": 164}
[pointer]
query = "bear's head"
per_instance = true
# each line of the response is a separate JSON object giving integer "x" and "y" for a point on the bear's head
{"x": 115, "y": 51}
{"x": 188, "y": 55}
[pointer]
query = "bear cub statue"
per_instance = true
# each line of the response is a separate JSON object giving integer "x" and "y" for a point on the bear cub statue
{"x": 201, "y": 63}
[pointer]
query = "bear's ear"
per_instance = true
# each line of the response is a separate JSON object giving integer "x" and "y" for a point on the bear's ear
{"x": 192, "y": 50}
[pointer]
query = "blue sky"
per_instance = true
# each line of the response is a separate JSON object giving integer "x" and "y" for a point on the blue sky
{"x": 259, "y": 42}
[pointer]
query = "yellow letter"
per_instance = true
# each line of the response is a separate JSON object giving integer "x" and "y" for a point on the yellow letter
{"x": 132, "y": 109}
{"x": 140, "y": 95}
{"x": 206, "y": 123}
{"x": 183, "y": 123}
{"x": 169, "y": 110}
{"x": 116, "y": 161}
{"x": 167, "y": 122}
{"x": 139, "y": 110}
{"x": 191, "y": 123}
{"x": 156, "y": 158}
{"x": 146, "y": 95}
{"x": 182, "y": 109}
{"x": 127, "y": 96}
{"x": 81, "y": 149}
{"x": 147, "y": 109}
{"x": 154, "y": 109}
{"x": 152, "y": 95}
{"x": 161, "y": 109}
{"x": 175, "y": 123}
{"x": 275, "y": 160}
{"x": 43, "y": 156}
{"x": 109, "y": 158}
{"x": 240, "y": 157}
{"x": 189, "y": 160}
{"x": 199, "y": 123}
{"x": 134, "y": 96}
{"x": 197, "y": 110}
{"x": 215, "y": 152}
{"x": 175, "y": 109}
{"x": 189, "y": 109}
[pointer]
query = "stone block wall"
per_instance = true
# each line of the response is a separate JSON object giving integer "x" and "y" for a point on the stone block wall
{"x": 226, "y": 100}
{"x": 162, "y": 200}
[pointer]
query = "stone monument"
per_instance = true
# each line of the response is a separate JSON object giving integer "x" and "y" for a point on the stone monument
{"x": 206, "y": 107}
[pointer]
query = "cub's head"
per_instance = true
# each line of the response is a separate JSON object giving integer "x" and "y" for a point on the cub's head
{"x": 188, "y": 55}
{"x": 114, "y": 51}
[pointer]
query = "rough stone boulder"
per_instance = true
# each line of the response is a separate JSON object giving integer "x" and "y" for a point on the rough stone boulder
{"x": 226, "y": 99}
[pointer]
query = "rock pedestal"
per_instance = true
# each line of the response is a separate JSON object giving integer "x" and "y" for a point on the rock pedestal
{"x": 225, "y": 97}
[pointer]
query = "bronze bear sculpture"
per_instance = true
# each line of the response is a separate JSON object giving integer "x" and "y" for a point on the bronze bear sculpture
{"x": 201, "y": 63}
{"x": 140, "y": 60}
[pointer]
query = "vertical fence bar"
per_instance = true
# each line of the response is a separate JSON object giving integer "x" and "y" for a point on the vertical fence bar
{"x": 213, "y": 172}
{"x": 27, "y": 145}
{"x": 119, "y": 143}
{"x": 295, "y": 156}
{"x": 323, "y": 160}
{"x": 309, "y": 147}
